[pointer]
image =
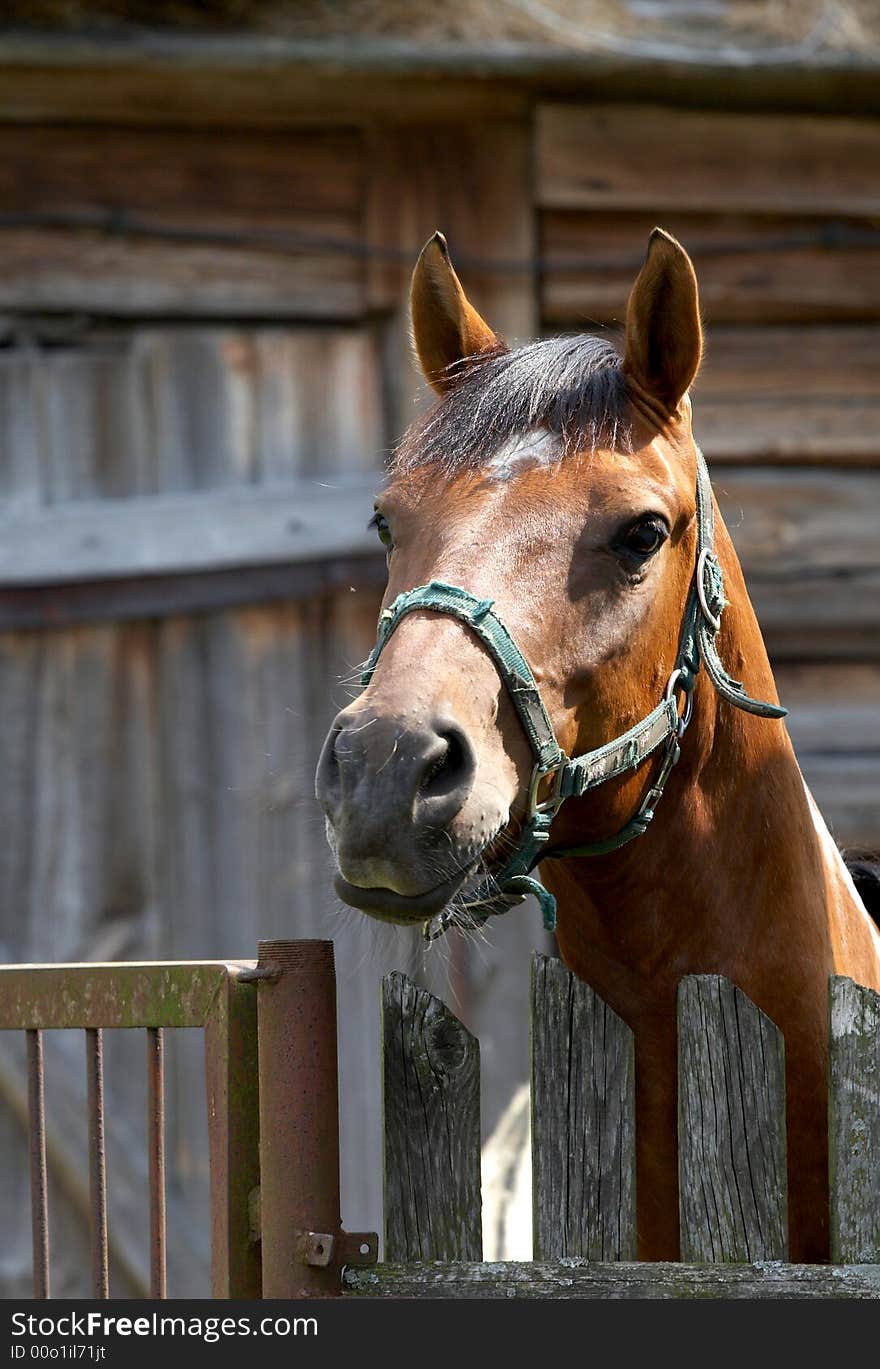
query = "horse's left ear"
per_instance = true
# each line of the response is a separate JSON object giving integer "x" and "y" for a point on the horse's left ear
{"x": 664, "y": 340}
{"x": 446, "y": 327}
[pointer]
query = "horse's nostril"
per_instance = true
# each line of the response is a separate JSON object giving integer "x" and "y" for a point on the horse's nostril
{"x": 327, "y": 777}
{"x": 450, "y": 770}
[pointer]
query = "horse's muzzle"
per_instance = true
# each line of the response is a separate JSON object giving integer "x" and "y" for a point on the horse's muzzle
{"x": 390, "y": 788}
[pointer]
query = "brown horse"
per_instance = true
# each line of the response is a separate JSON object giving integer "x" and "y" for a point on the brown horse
{"x": 560, "y": 483}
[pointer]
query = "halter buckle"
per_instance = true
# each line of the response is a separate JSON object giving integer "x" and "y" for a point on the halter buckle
{"x": 554, "y": 799}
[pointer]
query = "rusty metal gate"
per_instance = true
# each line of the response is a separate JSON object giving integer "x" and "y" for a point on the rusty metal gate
{"x": 272, "y": 1104}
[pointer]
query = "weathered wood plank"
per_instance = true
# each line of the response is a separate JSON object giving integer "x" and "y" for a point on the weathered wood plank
{"x": 162, "y": 596}
{"x": 733, "y": 1194}
{"x": 116, "y": 410}
{"x": 302, "y": 187}
{"x": 834, "y": 708}
{"x": 89, "y": 270}
{"x": 757, "y": 269}
{"x": 259, "y": 80}
{"x": 790, "y": 361}
{"x": 177, "y": 175}
{"x": 790, "y": 394}
{"x": 854, "y": 1122}
{"x": 583, "y": 1279}
{"x": 171, "y": 533}
{"x": 807, "y": 542}
{"x": 472, "y": 180}
{"x": 431, "y": 1095}
{"x": 583, "y": 1121}
{"x": 607, "y": 156}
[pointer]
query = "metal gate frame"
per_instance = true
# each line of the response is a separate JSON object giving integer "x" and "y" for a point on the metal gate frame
{"x": 272, "y": 1104}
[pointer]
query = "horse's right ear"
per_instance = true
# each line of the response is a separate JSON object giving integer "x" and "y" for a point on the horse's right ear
{"x": 664, "y": 340}
{"x": 446, "y": 327}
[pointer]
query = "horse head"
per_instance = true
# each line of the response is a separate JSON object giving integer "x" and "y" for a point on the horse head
{"x": 555, "y": 483}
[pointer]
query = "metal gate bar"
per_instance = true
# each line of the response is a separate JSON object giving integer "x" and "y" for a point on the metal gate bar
{"x": 156, "y": 1154}
{"x": 37, "y": 1149}
{"x": 97, "y": 1163}
{"x": 213, "y": 995}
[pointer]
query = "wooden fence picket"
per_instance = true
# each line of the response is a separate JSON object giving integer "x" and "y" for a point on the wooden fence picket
{"x": 431, "y": 1110}
{"x": 854, "y": 1122}
{"x": 583, "y": 1121}
{"x": 733, "y": 1191}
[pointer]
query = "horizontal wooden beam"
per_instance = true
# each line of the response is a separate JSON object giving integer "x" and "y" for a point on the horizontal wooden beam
{"x": 163, "y": 596}
{"x": 808, "y": 545}
{"x": 752, "y": 268}
{"x": 258, "y": 81}
{"x": 608, "y": 157}
{"x": 150, "y": 221}
{"x": 573, "y": 1278}
{"x": 170, "y": 534}
{"x": 806, "y": 538}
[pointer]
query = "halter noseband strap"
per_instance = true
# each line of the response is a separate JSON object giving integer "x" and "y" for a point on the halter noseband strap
{"x": 574, "y": 777}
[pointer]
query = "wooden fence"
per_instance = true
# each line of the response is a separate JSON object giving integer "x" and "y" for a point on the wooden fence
{"x": 274, "y": 1137}
{"x": 732, "y": 1150}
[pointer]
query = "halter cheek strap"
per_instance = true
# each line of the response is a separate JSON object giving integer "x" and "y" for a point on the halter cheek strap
{"x": 553, "y": 770}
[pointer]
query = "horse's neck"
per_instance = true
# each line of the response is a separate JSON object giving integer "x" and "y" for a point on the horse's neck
{"x": 738, "y": 874}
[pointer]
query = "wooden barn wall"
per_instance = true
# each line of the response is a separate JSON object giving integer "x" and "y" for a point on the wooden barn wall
{"x": 194, "y": 317}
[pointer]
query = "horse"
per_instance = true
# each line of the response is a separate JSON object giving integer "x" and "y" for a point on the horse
{"x": 551, "y": 687}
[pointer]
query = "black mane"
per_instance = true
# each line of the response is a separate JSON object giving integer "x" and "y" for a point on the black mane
{"x": 571, "y": 386}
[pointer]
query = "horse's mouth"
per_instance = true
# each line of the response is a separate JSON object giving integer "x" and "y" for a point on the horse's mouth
{"x": 389, "y": 906}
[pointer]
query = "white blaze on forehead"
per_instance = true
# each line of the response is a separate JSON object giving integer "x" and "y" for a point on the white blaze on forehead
{"x": 536, "y": 448}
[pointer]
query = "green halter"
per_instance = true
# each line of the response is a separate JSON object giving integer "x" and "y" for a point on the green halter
{"x": 574, "y": 777}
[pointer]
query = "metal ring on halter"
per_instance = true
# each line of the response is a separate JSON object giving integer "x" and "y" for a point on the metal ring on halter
{"x": 710, "y": 617}
{"x": 688, "y": 700}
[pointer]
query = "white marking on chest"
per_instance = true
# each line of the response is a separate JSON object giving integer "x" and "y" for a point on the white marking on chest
{"x": 835, "y": 861}
{"x": 536, "y": 448}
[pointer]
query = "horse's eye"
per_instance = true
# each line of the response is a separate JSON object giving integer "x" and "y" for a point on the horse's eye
{"x": 380, "y": 523}
{"x": 642, "y": 538}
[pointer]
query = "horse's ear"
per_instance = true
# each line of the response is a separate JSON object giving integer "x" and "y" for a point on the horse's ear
{"x": 664, "y": 340}
{"x": 446, "y": 327}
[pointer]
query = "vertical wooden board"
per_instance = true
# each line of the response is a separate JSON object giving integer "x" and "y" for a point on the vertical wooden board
{"x": 733, "y": 1192}
{"x": 431, "y": 1096}
{"x": 583, "y": 1121}
{"x": 200, "y": 388}
{"x": 92, "y": 420}
{"x": 473, "y": 182}
{"x": 78, "y": 868}
{"x": 21, "y": 667}
{"x": 73, "y": 754}
{"x": 854, "y": 1122}
{"x": 319, "y": 402}
{"x": 21, "y": 433}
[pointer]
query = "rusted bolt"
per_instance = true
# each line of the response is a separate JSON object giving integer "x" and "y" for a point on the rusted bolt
{"x": 316, "y": 1247}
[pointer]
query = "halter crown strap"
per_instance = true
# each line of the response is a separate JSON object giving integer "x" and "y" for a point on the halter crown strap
{"x": 574, "y": 777}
